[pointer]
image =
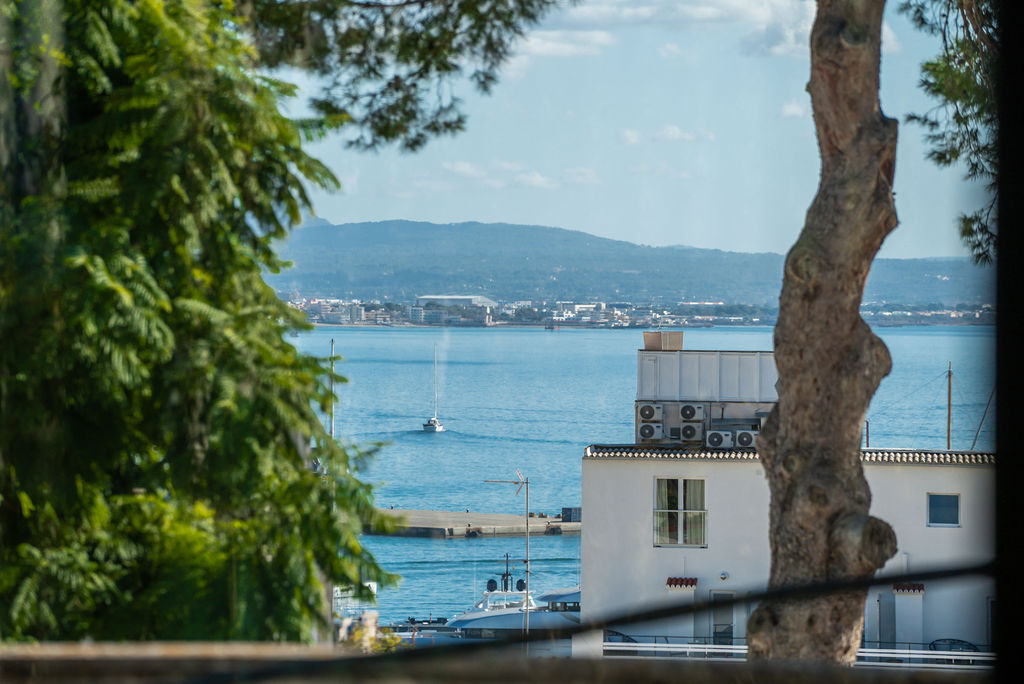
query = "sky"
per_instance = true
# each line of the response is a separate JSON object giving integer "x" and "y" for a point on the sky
{"x": 658, "y": 122}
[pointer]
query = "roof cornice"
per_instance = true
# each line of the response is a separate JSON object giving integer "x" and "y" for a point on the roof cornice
{"x": 867, "y": 456}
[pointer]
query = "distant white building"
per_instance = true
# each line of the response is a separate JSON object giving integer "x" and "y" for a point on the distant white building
{"x": 457, "y": 300}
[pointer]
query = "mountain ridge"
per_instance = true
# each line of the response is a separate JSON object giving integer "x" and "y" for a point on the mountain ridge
{"x": 401, "y": 259}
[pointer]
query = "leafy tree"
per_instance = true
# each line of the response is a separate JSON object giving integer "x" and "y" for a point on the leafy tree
{"x": 962, "y": 128}
{"x": 830, "y": 362}
{"x": 156, "y": 429}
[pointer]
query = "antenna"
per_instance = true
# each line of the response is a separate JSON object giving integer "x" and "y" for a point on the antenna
{"x": 523, "y": 482}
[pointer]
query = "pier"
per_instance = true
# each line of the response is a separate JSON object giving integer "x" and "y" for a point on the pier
{"x": 443, "y": 524}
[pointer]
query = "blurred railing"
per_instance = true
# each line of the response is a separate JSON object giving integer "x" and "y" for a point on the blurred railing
{"x": 674, "y": 647}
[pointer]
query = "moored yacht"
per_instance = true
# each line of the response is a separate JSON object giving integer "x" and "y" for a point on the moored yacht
{"x": 503, "y": 613}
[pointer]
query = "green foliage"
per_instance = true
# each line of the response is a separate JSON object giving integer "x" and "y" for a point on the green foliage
{"x": 389, "y": 66}
{"x": 156, "y": 429}
{"x": 384, "y": 640}
{"x": 962, "y": 129}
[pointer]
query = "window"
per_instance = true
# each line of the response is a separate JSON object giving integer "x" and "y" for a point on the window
{"x": 944, "y": 510}
{"x": 680, "y": 516}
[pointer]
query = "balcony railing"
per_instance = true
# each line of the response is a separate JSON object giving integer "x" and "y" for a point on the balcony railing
{"x": 910, "y": 655}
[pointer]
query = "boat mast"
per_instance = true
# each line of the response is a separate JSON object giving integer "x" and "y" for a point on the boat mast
{"x": 435, "y": 382}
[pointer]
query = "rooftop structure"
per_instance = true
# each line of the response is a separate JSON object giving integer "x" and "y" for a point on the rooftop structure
{"x": 456, "y": 300}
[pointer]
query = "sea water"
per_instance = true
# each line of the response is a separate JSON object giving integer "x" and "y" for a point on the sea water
{"x": 533, "y": 399}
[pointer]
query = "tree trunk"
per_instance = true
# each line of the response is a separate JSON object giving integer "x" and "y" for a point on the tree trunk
{"x": 829, "y": 361}
{"x": 32, "y": 184}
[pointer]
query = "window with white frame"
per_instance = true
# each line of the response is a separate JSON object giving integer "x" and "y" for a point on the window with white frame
{"x": 944, "y": 510}
{"x": 680, "y": 514}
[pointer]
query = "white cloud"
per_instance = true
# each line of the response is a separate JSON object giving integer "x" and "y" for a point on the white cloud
{"x": 613, "y": 12}
{"x": 464, "y": 168}
{"x": 669, "y": 51}
{"x": 781, "y": 28}
{"x": 565, "y": 43}
{"x": 474, "y": 172}
{"x": 777, "y": 27}
{"x": 583, "y": 175}
{"x": 630, "y": 136}
{"x": 548, "y": 43}
{"x": 671, "y": 132}
{"x": 890, "y": 43}
{"x": 794, "y": 109}
{"x": 534, "y": 179}
{"x": 667, "y": 133}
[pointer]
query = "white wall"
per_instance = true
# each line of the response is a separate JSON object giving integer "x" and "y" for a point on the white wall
{"x": 952, "y": 608}
{"x": 622, "y": 570}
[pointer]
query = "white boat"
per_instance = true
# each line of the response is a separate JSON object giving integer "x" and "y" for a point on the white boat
{"x": 433, "y": 424}
{"x": 503, "y": 612}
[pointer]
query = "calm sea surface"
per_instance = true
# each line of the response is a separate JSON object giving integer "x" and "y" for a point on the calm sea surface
{"x": 532, "y": 399}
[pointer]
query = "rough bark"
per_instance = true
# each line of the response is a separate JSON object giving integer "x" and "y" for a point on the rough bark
{"x": 829, "y": 361}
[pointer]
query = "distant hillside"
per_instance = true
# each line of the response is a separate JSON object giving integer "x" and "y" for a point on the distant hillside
{"x": 403, "y": 259}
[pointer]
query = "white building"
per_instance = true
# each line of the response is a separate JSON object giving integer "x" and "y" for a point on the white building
{"x": 664, "y": 524}
{"x": 457, "y": 300}
{"x": 672, "y": 518}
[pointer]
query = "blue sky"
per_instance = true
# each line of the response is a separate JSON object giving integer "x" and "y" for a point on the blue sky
{"x": 658, "y": 122}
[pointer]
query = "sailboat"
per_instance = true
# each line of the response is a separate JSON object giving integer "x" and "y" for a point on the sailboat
{"x": 433, "y": 424}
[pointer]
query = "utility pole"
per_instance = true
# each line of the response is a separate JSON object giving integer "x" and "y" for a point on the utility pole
{"x": 331, "y": 430}
{"x": 949, "y": 407}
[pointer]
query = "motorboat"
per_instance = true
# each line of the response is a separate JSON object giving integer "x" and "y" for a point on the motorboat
{"x": 433, "y": 424}
{"x": 511, "y": 610}
{"x": 503, "y": 613}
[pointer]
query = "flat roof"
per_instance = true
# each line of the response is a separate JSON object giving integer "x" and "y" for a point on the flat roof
{"x": 872, "y": 456}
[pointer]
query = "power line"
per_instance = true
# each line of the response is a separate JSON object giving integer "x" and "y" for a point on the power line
{"x": 341, "y": 665}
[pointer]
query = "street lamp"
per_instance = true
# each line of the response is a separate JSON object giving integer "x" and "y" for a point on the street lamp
{"x": 523, "y": 482}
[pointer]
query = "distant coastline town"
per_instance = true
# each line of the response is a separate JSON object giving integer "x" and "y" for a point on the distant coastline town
{"x": 481, "y": 311}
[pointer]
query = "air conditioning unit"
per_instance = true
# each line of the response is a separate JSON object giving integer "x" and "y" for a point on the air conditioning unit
{"x": 691, "y": 411}
{"x": 746, "y": 438}
{"x": 649, "y": 412}
{"x": 650, "y": 431}
{"x": 692, "y": 432}
{"x": 720, "y": 439}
